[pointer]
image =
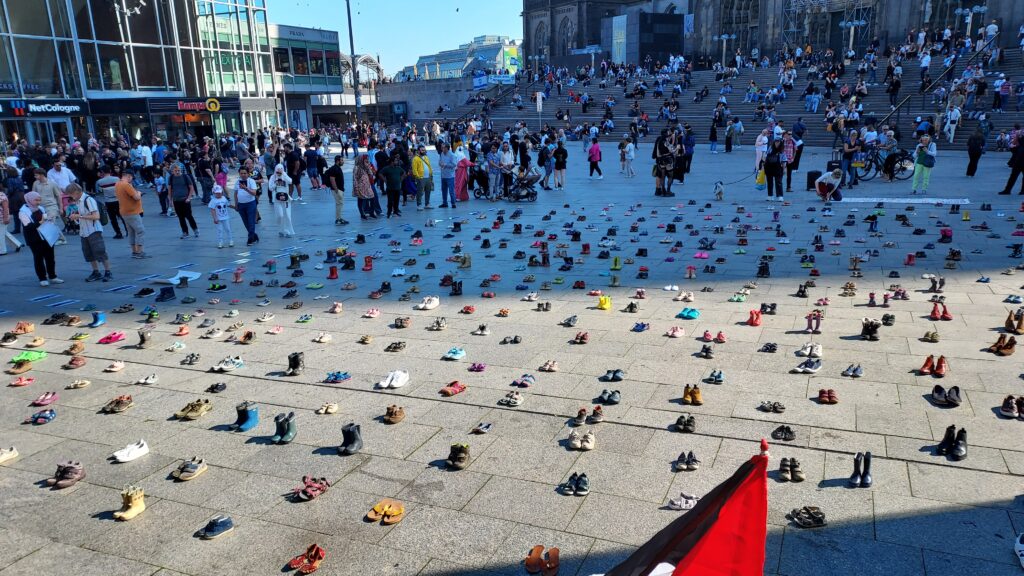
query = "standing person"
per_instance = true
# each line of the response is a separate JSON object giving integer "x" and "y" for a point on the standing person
{"x": 5, "y": 220}
{"x": 760, "y": 147}
{"x": 204, "y": 172}
{"x": 129, "y": 202}
{"x": 87, "y": 215}
{"x": 33, "y": 216}
{"x": 629, "y": 154}
{"x": 14, "y": 187}
{"x": 462, "y": 176}
{"x": 219, "y": 209}
{"x": 924, "y": 161}
{"x": 774, "y": 167}
{"x": 953, "y": 116}
{"x": 561, "y": 156}
{"x": 730, "y": 130}
{"x": 392, "y": 175}
{"x": 182, "y": 189}
{"x": 51, "y": 196}
{"x": 278, "y": 187}
{"x": 852, "y": 146}
{"x": 162, "y": 193}
{"x": 362, "y": 187}
{"x": 664, "y": 163}
{"x": 106, "y": 185}
{"x": 447, "y": 162}
{"x": 310, "y": 159}
{"x": 975, "y": 148}
{"x": 423, "y": 172}
{"x": 335, "y": 180}
{"x": 792, "y": 151}
{"x": 293, "y": 162}
{"x": 594, "y": 157}
{"x": 713, "y": 138}
{"x": 246, "y": 194}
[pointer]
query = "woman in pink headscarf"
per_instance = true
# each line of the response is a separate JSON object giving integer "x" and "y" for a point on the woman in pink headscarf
{"x": 462, "y": 167}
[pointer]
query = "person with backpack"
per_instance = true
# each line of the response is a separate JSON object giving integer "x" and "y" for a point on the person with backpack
{"x": 87, "y": 215}
{"x": 774, "y": 166}
{"x": 182, "y": 189}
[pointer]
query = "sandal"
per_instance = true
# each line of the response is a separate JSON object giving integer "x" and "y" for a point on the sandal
{"x": 378, "y": 511}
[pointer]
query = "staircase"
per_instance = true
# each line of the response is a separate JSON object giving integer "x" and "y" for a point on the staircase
{"x": 876, "y": 105}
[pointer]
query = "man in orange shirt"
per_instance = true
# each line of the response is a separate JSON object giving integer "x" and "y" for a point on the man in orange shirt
{"x": 129, "y": 202}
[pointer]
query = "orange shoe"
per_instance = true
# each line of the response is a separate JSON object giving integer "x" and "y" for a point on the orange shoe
{"x": 182, "y": 330}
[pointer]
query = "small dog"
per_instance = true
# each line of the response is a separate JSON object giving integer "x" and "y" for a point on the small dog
{"x": 719, "y": 190}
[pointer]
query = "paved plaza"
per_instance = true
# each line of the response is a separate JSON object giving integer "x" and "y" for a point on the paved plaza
{"x": 925, "y": 514}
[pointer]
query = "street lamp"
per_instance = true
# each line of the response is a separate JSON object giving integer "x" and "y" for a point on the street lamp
{"x": 284, "y": 98}
{"x": 724, "y": 38}
{"x": 536, "y": 59}
{"x": 355, "y": 65}
{"x": 852, "y": 25}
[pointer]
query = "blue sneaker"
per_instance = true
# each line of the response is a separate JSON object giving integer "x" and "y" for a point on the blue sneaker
{"x": 217, "y": 526}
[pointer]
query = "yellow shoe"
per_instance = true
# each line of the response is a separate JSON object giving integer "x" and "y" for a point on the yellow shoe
{"x": 133, "y": 503}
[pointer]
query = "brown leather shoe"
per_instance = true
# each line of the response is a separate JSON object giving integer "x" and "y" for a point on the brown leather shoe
{"x": 394, "y": 414}
{"x": 1019, "y": 328}
{"x": 75, "y": 349}
{"x": 941, "y": 367}
{"x": 687, "y": 395}
{"x": 1011, "y": 323}
{"x": 1007, "y": 348}
{"x": 695, "y": 396}
{"x": 999, "y": 343}
{"x": 929, "y": 364}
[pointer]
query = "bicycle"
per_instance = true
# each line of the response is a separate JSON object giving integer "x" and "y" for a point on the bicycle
{"x": 874, "y": 164}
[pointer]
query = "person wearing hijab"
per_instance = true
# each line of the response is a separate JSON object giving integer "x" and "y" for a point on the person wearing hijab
{"x": 462, "y": 166}
{"x": 32, "y": 216}
{"x": 278, "y": 188}
{"x": 362, "y": 187}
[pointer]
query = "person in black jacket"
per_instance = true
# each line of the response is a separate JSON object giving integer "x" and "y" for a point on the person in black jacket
{"x": 975, "y": 148}
{"x": 774, "y": 165}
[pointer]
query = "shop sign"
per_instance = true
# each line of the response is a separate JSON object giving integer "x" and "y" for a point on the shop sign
{"x": 43, "y": 107}
{"x": 209, "y": 105}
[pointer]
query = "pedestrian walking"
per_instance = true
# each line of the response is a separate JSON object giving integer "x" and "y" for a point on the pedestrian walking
{"x": 594, "y": 157}
{"x": 975, "y": 148}
{"x": 278, "y": 187}
{"x": 5, "y": 219}
{"x": 363, "y": 187}
{"x": 219, "y": 209}
{"x": 393, "y": 175}
{"x": 924, "y": 161}
{"x": 246, "y": 193}
{"x": 423, "y": 172}
{"x": 182, "y": 188}
{"x": 448, "y": 164}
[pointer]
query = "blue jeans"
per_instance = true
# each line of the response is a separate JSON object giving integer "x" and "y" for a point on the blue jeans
{"x": 849, "y": 172}
{"x": 447, "y": 190}
{"x": 247, "y": 210}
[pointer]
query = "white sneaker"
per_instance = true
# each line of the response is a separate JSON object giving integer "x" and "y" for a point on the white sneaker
{"x": 132, "y": 452}
{"x": 8, "y": 454}
{"x": 399, "y": 378}
{"x": 805, "y": 350}
{"x": 816, "y": 351}
{"x": 44, "y": 283}
{"x": 151, "y": 379}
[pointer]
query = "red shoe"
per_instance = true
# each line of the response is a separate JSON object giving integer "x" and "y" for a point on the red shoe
{"x": 945, "y": 312}
{"x": 941, "y": 367}
{"x": 929, "y": 364}
{"x": 707, "y": 336}
{"x": 935, "y": 315}
{"x": 755, "y": 318}
{"x": 720, "y": 338}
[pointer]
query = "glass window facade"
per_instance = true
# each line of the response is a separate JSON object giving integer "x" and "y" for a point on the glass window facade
{"x": 302, "y": 59}
{"x": 134, "y": 45}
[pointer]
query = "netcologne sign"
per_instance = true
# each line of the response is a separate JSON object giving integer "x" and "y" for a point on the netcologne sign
{"x": 43, "y": 107}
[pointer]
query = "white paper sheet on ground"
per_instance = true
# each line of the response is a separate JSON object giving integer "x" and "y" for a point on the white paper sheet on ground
{"x": 177, "y": 277}
{"x": 663, "y": 569}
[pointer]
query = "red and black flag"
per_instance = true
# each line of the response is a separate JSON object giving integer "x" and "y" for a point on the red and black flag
{"x": 723, "y": 535}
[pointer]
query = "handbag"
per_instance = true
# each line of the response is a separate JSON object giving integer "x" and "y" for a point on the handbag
{"x": 925, "y": 159}
{"x": 761, "y": 182}
{"x": 858, "y": 159}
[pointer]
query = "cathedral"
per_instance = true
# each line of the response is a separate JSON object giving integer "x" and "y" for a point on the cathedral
{"x": 568, "y": 31}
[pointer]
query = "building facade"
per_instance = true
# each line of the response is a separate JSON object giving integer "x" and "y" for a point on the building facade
{"x": 483, "y": 53}
{"x": 133, "y": 67}
{"x": 554, "y": 29}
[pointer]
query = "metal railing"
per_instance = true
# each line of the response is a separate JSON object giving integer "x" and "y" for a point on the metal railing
{"x": 501, "y": 95}
{"x": 898, "y": 110}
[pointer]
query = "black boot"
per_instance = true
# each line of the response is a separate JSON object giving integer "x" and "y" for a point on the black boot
{"x": 289, "y": 429}
{"x": 166, "y": 294}
{"x": 281, "y": 427}
{"x": 866, "y": 480}
{"x": 959, "y": 450}
{"x": 296, "y": 263}
{"x": 947, "y": 441}
{"x": 348, "y": 263}
{"x": 352, "y": 440}
{"x": 243, "y": 415}
{"x": 856, "y": 479}
{"x": 456, "y": 289}
{"x": 145, "y": 338}
{"x": 296, "y": 364}
{"x": 332, "y": 256}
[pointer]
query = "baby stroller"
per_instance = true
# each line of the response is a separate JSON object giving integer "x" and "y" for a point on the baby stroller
{"x": 522, "y": 189}
{"x": 479, "y": 182}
